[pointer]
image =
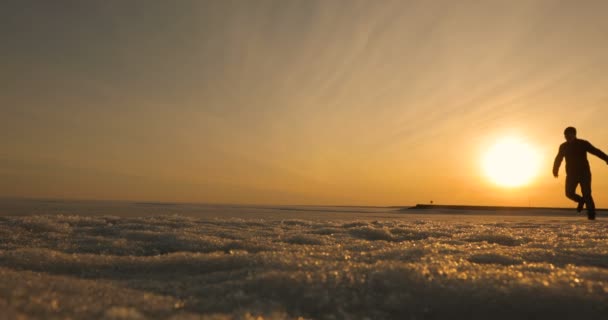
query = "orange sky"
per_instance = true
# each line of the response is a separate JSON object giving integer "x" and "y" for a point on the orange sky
{"x": 296, "y": 102}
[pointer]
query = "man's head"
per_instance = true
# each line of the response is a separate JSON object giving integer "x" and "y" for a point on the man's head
{"x": 570, "y": 133}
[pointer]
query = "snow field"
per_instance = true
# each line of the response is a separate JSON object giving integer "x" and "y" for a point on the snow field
{"x": 411, "y": 267}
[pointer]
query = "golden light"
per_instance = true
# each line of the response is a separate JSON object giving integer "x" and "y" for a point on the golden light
{"x": 511, "y": 162}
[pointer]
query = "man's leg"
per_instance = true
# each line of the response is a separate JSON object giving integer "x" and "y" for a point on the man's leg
{"x": 586, "y": 190}
{"x": 571, "y": 183}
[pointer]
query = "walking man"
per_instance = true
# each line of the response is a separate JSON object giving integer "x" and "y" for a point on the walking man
{"x": 577, "y": 169}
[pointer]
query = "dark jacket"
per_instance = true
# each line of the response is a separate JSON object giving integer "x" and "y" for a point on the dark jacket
{"x": 575, "y": 152}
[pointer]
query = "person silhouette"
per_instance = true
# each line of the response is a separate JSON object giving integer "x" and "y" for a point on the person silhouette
{"x": 577, "y": 169}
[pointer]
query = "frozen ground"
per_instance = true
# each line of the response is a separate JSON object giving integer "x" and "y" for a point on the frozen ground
{"x": 351, "y": 263}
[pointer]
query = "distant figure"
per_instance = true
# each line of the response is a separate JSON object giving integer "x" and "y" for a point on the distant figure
{"x": 577, "y": 169}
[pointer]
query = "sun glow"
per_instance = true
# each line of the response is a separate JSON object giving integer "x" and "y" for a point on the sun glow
{"x": 511, "y": 163}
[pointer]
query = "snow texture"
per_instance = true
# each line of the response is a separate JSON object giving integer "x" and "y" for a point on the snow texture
{"x": 402, "y": 266}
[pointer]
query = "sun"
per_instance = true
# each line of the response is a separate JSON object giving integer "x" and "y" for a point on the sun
{"x": 511, "y": 162}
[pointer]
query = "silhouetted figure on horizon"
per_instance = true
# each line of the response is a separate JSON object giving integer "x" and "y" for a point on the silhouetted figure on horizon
{"x": 577, "y": 169}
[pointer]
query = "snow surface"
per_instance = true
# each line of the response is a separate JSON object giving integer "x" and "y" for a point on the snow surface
{"x": 351, "y": 264}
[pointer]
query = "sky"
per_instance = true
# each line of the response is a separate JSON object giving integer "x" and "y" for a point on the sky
{"x": 296, "y": 102}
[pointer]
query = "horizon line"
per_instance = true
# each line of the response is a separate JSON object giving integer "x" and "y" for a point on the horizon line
{"x": 418, "y": 206}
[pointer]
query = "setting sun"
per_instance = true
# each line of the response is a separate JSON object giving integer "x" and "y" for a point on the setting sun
{"x": 511, "y": 163}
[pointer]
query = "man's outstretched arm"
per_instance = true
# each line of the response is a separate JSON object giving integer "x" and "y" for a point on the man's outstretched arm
{"x": 558, "y": 161}
{"x": 597, "y": 152}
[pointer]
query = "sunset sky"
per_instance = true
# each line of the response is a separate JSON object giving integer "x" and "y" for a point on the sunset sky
{"x": 296, "y": 102}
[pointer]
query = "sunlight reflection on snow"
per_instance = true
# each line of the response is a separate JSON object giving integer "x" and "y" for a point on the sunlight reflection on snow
{"x": 182, "y": 267}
